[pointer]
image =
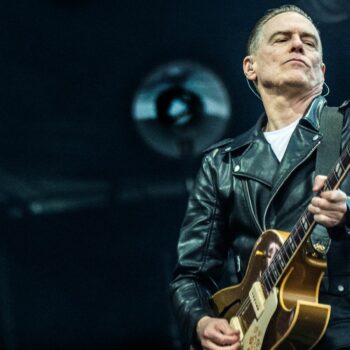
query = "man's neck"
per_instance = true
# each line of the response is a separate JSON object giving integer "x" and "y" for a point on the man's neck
{"x": 282, "y": 111}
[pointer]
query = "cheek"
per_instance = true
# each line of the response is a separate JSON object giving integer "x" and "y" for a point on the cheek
{"x": 317, "y": 63}
{"x": 317, "y": 69}
{"x": 267, "y": 63}
{"x": 270, "y": 57}
{"x": 320, "y": 75}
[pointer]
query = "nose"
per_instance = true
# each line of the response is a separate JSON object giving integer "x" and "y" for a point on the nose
{"x": 297, "y": 44}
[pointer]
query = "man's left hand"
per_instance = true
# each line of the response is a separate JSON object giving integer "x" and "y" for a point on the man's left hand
{"x": 329, "y": 208}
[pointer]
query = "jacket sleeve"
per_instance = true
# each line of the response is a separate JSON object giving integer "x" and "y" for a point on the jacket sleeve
{"x": 202, "y": 250}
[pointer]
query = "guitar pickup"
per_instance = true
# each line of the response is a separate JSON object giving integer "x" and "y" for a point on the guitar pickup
{"x": 257, "y": 298}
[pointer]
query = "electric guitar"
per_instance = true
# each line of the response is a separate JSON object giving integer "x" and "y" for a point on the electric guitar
{"x": 276, "y": 304}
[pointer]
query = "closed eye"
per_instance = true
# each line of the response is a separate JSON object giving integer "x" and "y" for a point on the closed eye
{"x": 310, "y": 43}
{"x": 281, "y": 40}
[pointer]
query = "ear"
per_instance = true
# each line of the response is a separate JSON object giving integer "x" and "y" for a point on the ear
{"x": 323, "y": 68}
{"x": 248, "y": 68}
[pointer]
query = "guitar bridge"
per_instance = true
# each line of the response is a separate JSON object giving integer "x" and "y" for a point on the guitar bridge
{"x": 257, "y": 298}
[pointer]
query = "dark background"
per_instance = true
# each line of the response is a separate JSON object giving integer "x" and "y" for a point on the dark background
{"x": 89, "y": 212}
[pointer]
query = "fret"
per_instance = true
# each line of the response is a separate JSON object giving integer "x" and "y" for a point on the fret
{"x": 283, "y": 257}
{"x": 277, "y": 268}
{"x": 297, "y": 238}
{"x": 273, "y": 277}
{"x": 310, "y": 218}
{"x": 292, "y": 242}
{"x": 338, "y": 171}
{"x": 328, "y": 184}
{"x": 273, "y": 269}
{"x": 265, "y": 289}
{"x": 277, "y": 262}
{"x": 272, "y": 282}
{"x": 267, "y": 284}
{"x": 304, "y": 223}
{"x": 290, "y": 246}
{"x": 284, "y": 250}
{"x": 280, "y": 260}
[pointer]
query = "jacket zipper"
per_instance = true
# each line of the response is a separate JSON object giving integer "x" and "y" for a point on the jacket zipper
{"x": 250, "y": 205}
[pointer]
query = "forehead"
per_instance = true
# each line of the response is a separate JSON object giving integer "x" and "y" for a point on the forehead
{"x": 289, "y": 22}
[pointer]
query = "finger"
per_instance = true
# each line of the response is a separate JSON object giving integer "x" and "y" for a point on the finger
{"x": 210, "y": 345}
{"x": 336, "y": 203}
{"x": 223, "y": 339}
{"x": 329, "y": 218}
{"x": 326, "y": 220}
{"x": 225, "y": 328}
{"x": 334, "y": 196}
{"x": 328, "y": 214}
{"x": 217, "y": 337}
{"x": 319, "y": 183}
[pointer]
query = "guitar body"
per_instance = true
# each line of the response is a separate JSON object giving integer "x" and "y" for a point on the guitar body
{"x": 290, "y": 317}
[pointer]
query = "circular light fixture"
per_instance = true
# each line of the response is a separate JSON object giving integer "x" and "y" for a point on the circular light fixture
{"x": 181, "y": 108}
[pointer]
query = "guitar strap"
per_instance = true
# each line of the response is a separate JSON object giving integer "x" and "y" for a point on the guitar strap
{"x": 331, "y": 122}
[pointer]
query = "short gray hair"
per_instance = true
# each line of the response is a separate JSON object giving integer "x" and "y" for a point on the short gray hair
{"x": 255, "y": 34}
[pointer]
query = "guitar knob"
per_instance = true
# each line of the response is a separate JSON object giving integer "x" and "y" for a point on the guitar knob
{"x": 260, "y": 253}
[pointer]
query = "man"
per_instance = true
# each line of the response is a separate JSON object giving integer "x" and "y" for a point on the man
{"x": 264, "y": 179}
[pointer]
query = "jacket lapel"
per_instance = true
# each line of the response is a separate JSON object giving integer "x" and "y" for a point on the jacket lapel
{"x": 256, "y": 160}
{"x": 259, "y": 163}
{"x": 302, "y": 144}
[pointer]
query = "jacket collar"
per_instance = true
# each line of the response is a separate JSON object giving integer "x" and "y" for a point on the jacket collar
{"x": 252, "y": 145}
{"x": 247, "y": 138}
{"x": 312, "y": 116}
{"x": 309, "y": 120}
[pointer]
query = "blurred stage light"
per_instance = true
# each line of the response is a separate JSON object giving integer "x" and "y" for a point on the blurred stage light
{"x": 181, "y": 108}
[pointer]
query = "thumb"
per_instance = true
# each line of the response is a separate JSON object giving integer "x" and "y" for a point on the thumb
{"x": 225, "y": 328}
{"x": 319, "y": 183}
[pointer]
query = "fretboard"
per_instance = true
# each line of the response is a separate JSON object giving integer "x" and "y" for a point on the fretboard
{"x": 303, "y": 227}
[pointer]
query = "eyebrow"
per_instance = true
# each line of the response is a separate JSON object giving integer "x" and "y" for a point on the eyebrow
{"x": 288, "y": 32}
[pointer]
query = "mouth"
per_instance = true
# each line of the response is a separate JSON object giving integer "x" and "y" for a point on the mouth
{"x": 297, "y": 60}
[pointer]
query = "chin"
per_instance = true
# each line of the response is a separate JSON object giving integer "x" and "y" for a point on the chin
{"x": 297, "y": 80}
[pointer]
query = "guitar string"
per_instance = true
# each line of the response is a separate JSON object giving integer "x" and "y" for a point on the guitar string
{"x": 266, "y": 274}
{"x": 264, "y": 278}
{"x": 268, "y": 277}
{"x": 265, "y": 283}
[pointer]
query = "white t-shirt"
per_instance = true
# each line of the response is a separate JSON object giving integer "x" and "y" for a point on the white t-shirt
{"x": 279, "y": 139}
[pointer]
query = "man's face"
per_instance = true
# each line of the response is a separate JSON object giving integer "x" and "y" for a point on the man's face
{"x": 289, "y": 54}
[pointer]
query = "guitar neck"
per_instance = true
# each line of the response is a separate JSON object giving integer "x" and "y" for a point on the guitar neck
{"x": 303, "y": 227}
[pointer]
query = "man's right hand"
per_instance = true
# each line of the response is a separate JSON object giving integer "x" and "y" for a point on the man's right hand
{"x": 216, "y": 334}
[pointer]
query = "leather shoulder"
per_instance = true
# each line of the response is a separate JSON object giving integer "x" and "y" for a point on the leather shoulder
{"x": 345, "y": 105}
{"x": 218, "y": 145}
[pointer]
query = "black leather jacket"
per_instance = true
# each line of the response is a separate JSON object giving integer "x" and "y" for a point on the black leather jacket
{"x": 240, "y": 191}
